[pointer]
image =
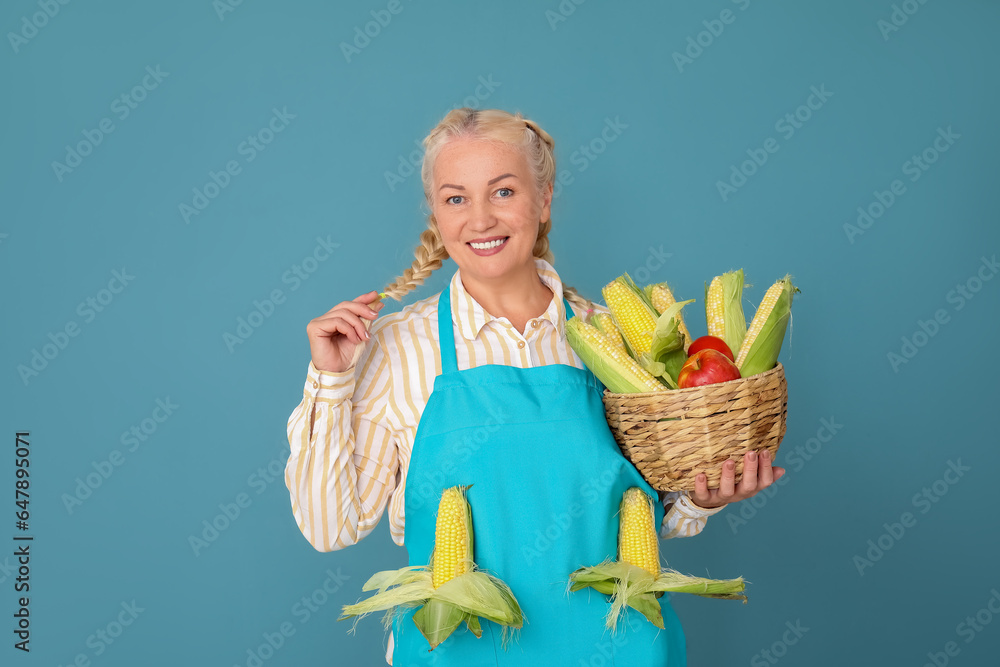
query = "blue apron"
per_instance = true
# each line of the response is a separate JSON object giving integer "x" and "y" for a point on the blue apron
{"x": 547, "y": 477}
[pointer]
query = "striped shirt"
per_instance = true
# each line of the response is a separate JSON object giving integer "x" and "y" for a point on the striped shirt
{"x": 352, "y": 434}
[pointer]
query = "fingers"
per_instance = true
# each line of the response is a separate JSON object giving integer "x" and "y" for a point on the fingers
{"x": 748, "y": 483}
{"x": 727, "y": 485}
{"x": 758, "y": 473}
{"x": 765, "y": 473}
{"x": 350, "y": 325}
{"x": 356, "y": 307}
{"x": 701, "y": 494}
{"x": 347, "y": 313}
{"x": 361, "y": 304}
{"x": 368, "y": 297}
{"x": 341, "y": 321}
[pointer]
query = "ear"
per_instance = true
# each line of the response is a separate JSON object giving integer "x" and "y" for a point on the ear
{"x": 546, "y": 213}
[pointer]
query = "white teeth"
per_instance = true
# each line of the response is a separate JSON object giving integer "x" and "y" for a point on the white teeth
{"x": 487, "y": 246}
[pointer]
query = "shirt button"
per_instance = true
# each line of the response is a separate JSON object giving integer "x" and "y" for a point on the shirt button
{"x": 315, "y": 384}
{"x": 534, "y": 323}
{"x": 520, "y": 344}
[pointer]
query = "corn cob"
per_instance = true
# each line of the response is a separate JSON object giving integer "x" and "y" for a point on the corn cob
{"x": 662, "y": 298}
{"x": 760, "y": 349}
{"x": 604, "y": 323}
{"x": 620, "y": 373}
{"x": 638, "y": 542}
{"x": 636, "y": 579}
{"x": 724, "y": 308}
{"x": 449, "y": 592}
{"x": 632, "y": 313}
{"x": 452, "y": 538}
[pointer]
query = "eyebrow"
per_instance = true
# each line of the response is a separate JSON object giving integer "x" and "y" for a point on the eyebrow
{"x": 491, "y": 182}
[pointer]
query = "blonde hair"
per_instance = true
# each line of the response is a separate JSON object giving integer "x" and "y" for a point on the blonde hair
{"x": 492, "y": 124}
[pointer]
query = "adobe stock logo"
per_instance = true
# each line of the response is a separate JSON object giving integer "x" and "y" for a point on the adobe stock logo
{"x": 967, "y": 629}
{"x": 133, "y": 438}
{"x": 37, "y": 21}
{"x": 924, "y": 500}
{"x": 122, "y": 107}
{"x": 250, "y": 148}
{"x": 779, "y": 649}
{"x": 295, "y": 276}
{"x": 88, "y": 310}
{"x": 899, "y": 17}
{"x": 104, "y": 637}
{"x": 223, "y": 7}
{"x": 586, "y": 154}
{"x": 308, "y": 606}
{"x": 787, "y": 125}
{"x": 698, "y": 43}
{"x": 925, "y": 330}
{"x": 563, "y": 11}
{"x": 915, "y": 168}
{"x": 381, "y": 18}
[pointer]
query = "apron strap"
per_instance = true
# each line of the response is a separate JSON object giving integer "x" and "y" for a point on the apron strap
{"x": 446, "y": 331}
{"x": 446, "y": 334}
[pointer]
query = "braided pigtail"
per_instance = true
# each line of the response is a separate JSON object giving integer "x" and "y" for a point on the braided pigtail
{"x": 430, "y": 255}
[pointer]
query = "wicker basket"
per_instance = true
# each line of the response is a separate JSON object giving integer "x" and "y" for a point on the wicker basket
{"x": 671, "y": 436}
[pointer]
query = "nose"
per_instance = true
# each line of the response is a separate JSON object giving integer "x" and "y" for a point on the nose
{"x": 482, "y": 215}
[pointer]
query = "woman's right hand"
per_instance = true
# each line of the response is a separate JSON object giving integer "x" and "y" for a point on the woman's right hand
{"x": 335, "y": 335}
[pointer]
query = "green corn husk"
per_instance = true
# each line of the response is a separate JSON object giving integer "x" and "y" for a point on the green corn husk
{"x": 765, "y": 344}
{"x": 669, "y": 344}
{"x": 612, "y": 365}
{"x": 464, "y": 599}
{"x": 632, "y": 586}
{"x": 406, "y": 587}
{"x": 637, "y": 577}
{"x": 662, "y": 297}
{"x": 735, "y": 328}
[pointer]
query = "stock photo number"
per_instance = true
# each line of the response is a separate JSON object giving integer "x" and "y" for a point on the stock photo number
{"x": 22, "y": 541}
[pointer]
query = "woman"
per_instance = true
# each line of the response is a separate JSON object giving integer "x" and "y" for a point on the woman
{"x": 478, "y": 385}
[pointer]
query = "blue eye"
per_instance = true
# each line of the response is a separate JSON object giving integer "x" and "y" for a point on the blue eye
{"x": 449, "y": 199}
{"x": 505, "y": 189}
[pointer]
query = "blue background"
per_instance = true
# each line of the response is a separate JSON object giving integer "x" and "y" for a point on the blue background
{"x": 683, "y": 127}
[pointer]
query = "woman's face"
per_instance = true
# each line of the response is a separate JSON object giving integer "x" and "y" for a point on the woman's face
{"x": 487, "y": 207}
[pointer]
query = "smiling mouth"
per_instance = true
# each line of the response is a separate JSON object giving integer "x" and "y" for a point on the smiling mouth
{"x": 489, "y": 244}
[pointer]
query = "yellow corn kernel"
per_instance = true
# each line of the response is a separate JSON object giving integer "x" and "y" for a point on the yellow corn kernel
{"x": 620, "y": 373}
{"x": 762, "y": 344}
{"x": 634, "y": 318}
{"x": 662, "y": 299}
{"x": 763, "y": 311}
{"x": 713, "y": 309}
{"x": 637, "y": 537}
{"x": 452, "y": 537}
{"x": 606, "y": 325}
{"x": 724, "y": 309}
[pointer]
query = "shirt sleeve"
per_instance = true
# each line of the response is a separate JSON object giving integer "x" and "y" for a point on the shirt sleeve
{"x": 343, "y": 459}
{"x": 683, "y": 518}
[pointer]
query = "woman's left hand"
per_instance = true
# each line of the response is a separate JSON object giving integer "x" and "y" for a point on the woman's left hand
{"x": 758, "y": 474}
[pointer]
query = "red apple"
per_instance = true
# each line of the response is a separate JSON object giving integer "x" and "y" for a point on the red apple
{"x": 706, "y": 367}
{"x": 710, "y": 343}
